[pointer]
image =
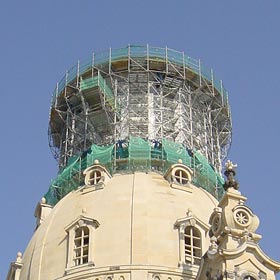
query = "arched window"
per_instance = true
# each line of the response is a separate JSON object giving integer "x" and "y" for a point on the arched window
{"x": 94, "y": 177}
{"x": 81, "y": 246}
{"x": 181, "y": 177}
{"x": 248, "y": 277}
{"x": 192, "y": 233}
{"x": 81, "y": 242}
{"x": 192, "y": 239}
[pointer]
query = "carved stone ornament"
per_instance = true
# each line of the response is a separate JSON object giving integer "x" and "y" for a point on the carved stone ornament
{"x": 216, "y": 223}
{"x": 213, "y": 248}
{"x": 230, "y": 274}
{"x": 242, "y": 217}
{"x": 230, "y": 166}
{"x": 230, "y": 172}
{"x": 81, "y": 223}
{"x": 217, "y": 276}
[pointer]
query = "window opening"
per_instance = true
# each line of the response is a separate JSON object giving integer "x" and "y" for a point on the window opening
{"x": 192, "y": 245}
{"x": 249, "y": 277}
{"x": 181, "y": 177}
{"x": 81, "y": 246}
{"x": 94, "y": 177}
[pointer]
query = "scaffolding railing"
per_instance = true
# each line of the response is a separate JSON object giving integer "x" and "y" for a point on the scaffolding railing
{"x": 148, "y": 52}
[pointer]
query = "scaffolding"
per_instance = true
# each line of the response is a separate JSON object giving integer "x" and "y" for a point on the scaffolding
{"x": 155, "y": 94}
{"x": 135, "y": 154}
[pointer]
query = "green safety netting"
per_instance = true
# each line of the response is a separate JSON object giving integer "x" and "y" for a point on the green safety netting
{"x": 71, "y": 176}
{"x": 67, "y": 180}
{"x": 175, "y": 151}
{"x": 97, "y": 81}
{"x": 205, "y": 175}
{"x": 89, "y": 83}
{"x": 102, "y": 154}
{"x": 151, "y": 53}
{"x": 136, "y": 154}
{"x": 139, "y": 152}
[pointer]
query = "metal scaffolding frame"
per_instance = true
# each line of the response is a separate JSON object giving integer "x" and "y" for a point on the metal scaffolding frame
{"x": 141, "y": 91}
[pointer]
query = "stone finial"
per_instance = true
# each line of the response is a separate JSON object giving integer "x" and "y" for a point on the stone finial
{"x": 180, "y": 161}
{"x": 96, "y": 161}
{"x": 43, "y": 200}
{"x": 189, "y": 213}
{"x": 19, "y": 257}
{"x": 230, "y": 166}
{"x": 230, "y": 173}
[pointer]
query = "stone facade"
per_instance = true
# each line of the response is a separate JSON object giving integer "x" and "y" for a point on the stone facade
{"x": 144, "y": 226}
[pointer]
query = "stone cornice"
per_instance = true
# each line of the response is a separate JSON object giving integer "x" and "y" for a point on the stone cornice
{"x": 258, "y": 252}
{"x": 90, "y": 271}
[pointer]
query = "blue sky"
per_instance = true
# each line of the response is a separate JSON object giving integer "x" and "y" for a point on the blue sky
{"x": 41, "y": 39}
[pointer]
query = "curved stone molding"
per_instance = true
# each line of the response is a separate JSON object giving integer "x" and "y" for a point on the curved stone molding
{"x": 96, "y": 175}
{"x": 179, "y": 176}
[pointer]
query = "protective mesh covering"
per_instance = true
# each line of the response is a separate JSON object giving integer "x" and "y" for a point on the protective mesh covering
{"x": 89, "y": 83}
{"x": 139, "y": 108}
{"x": 175, "y": 151}
{"x": 71, "y": 176}
{"x": 102, "y": 154}
{"x": 67, "y": 180}
{"x": 139, "y": 154}
{"x": 98, "y": 81}
{"x": 205, "y": 175}
{"x": 135, "y": 154}
{"x": 140, "y": 91}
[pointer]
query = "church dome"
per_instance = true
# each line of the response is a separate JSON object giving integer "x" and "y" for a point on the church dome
{"x": 137, "y": 223}
{"x": 140, "y": 134}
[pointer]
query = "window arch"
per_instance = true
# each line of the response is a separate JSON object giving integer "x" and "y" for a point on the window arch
{"x": 81, "y": 246}
{"x": 80, "y": 242}
{"x": 180, "y": 176}
{"x": 95, "y": 176}
{"x": 192, "y": 239}
{"x": 192, "y": 234}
